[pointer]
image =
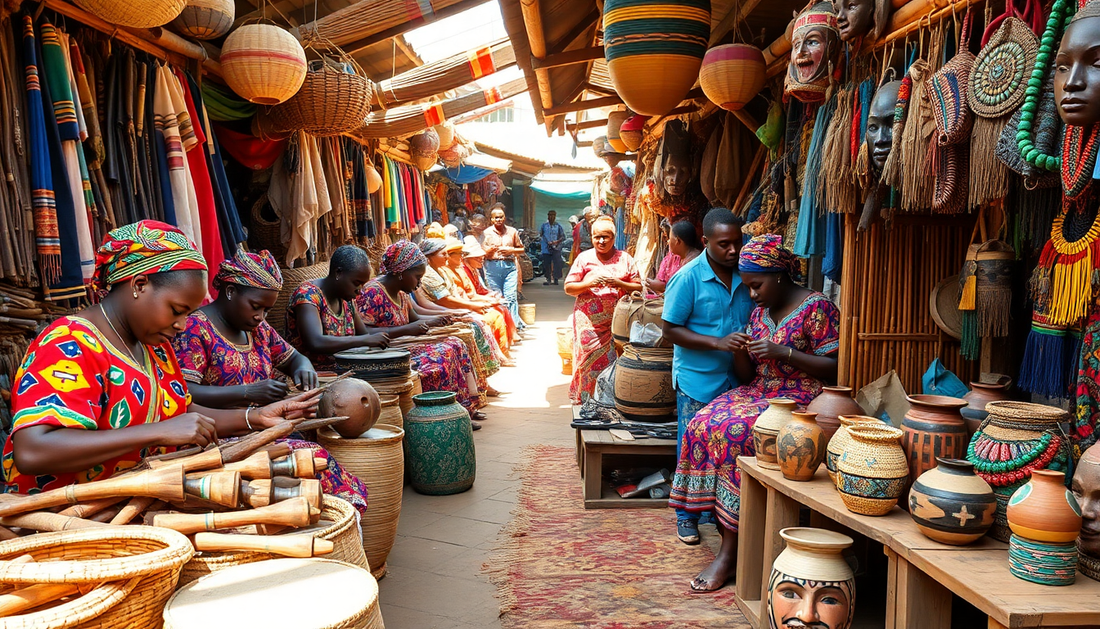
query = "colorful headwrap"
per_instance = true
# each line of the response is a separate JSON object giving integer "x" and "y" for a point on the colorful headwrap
{"x": 766, "y": 254}
{"x": 250, "y": 269}
{"x": 145, "y": 247}
{"x": 435, "y": 230}
{"x": 400, "y": 257}
{"x": 428, "y": 246}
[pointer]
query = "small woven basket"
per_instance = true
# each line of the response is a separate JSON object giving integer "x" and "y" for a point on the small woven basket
{"x": 330, "y": 102}
{"x": 404, "y": 392}
{"x": 134, "y": 13}
{"x": 391, "y": 411}
{"x": 292, "y": 279}
{"x": 527, "y": 313}
{"x": 206, "y": 19}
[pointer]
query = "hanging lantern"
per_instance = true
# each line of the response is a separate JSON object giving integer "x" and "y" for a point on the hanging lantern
{"x": 206, "y": 19}
{"x": 632, "y": 131}
{"x": 374, "y": 180}
{"x": 615, "y": 120}
{"x": 134, "y": 13}
{"x": 654, "y": 49}
{"x": 263, "y": 64}
{"x": 731, "y": 75}
{"x": 424, "y": 149}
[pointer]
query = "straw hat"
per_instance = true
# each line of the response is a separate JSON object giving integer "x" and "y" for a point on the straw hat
{"x": 471, "y": 248}
{"x": 943, "y": 305}
{"x": 453, "y": 244}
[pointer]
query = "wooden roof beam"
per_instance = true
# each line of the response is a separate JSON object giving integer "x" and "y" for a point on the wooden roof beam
{"x": 581, "y": 28}
{"x": 536, "y": 41}
{"x": 586, "y": 124}
{"x": 583, "y": 105}
{"x": 571, "y": 57}
{"x": 357, "y": 46}
{"x": 596, "y": 89}
{"x": 732, "y": 20}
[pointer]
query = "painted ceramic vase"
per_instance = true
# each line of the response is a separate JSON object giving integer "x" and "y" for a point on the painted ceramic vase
{"x": 439, "y": 445}
{"x": 951, "y": 504}
{"x": 872, "y": 472}
{"x": 800, "y": 447}
{"x": 933, "y": 428}
{"x": 982, "y": 393}
{"x": 840, "y": 440}
{"x": 1043, "y": 510}
{"x": 830, "y": 404}
{"x": 766, "y": 430}
{"x": 811, "y": 562}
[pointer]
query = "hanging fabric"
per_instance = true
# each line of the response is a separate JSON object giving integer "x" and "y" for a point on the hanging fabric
{"x": 810, "y": 236}
{"x": 47, "y": 238}
{"x": 212, "y": 248}
{"x": 174, "y": 122}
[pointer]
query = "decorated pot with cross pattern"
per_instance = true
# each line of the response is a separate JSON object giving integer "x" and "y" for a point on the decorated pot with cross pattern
{"x": 951, "y": 504}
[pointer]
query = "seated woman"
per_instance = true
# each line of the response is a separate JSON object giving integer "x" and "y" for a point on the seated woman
{"x": 598, "y": 278}
{"x": 101, "y": 389}
{"x": 443, "y": 365}
{"x": 463, "y": 289}
{"x": 321, "y": 319}
{"x": 473, "y": 260}
{"x": 229, "y": 353}
{"x": 683, "y": 247}
{"x": 789, "y": 351}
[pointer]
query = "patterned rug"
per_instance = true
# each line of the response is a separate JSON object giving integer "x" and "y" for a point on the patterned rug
{"x": 561, "y": 566}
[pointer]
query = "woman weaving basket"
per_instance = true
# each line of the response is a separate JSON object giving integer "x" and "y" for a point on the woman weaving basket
{"x": 101, "y": 389}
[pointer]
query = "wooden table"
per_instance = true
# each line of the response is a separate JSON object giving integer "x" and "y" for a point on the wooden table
{"x": 922, "y": 573}
{"x": 592, "y": 445}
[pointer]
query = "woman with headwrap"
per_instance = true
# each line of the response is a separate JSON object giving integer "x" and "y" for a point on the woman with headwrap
{"x": 444, "y": 365}
{"x": 598, "y": 278}
{"x": 101, "y": 389}
{"x": 461, "y": 287}
{"x": 789, "y": 351}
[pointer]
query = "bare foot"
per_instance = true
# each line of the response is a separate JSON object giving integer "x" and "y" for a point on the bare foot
{"x": 715, "y": 575}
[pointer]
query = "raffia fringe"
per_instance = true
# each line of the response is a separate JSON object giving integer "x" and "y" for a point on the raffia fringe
{"x": 988, "y": 175}
{"x": 994, "y": 311}
{"x": 1071, "y": 290}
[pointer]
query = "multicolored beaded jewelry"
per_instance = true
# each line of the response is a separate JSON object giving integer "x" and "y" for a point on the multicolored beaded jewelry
{"x": 1078, "y": 158}
{"x": 1060, "y": 14}
{"x": 1003, "y": 463}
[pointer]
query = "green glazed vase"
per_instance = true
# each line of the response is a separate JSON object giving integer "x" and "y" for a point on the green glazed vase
{"x": 439, "y": 445}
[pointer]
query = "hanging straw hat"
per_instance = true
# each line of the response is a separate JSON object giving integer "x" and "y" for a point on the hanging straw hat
{"x": 943, "y": 305}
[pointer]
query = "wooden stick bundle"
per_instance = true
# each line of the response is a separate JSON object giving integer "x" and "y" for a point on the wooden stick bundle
{"x": 285, "y": 545}
{"x": 295, "y": 512}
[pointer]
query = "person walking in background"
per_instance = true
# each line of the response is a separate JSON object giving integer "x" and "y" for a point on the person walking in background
{"x": 552, "y": 235}
{"x": 502, "y": 245}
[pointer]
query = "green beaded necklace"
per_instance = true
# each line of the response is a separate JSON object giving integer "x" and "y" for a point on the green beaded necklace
{"x": 1060, "y": 15}
{"x": 1037, "y": 448}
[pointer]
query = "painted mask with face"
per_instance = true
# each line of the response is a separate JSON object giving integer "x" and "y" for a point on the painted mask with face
{"x": 1077, "y": 69}
{"x": 860, "y": 18}
{"x": 815, "y": 49}
{"x": 1086, "y": 488}
{"x": 880, "y": 125}
{"x": 675, "y": 156}
{"x": 811, "y": 585}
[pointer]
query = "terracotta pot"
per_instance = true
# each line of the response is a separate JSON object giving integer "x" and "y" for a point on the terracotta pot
{"x": 766, "y": 430}
{"x": 800, "y": 447}
{"x": 951, "y": 504}
{"x": 933, "y": 428}
{"x": 830, "y": 404}
{"x": 841, "y": 439}
{"x": 439, "y": 445}
{"x": 354, "y": 398}
{"x": 812, "y": 562}
{"x": 981, "y": 393}
{"x": 872, "y": 471}
{"x": 1043, "y": 510}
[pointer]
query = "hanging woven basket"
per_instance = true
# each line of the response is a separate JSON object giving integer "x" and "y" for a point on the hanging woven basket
{"x": 632, "y": 131}
{"x": 732, "y": 75}
{"x": 264, "y": 64}
{"x": 334, "y": 98}
{"x": 615, "y": 120}
{"x": 134, "y": 13}
{"x": 206, "y": 19}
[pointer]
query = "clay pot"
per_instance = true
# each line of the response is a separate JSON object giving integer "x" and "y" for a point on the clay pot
{"x": 800, "y": 447}
{"x": 811, "y": 562}
{"x": 872, "y": 471}
{"x": 933, "y": 428}
{"x": 1043, "y": 510}
{"x": 766, "y": 430}
{"x": 439, "y": 445}
{"x": 981, "y": 393}
{"x": 354, "y": 398}
{"x": 951, "y": 504}
{"x": 841, "y": 439}
{"x": 643, "y": 384}
{"x": 830, "y": 404}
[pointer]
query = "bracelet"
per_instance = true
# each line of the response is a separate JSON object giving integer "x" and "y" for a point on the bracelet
{"x": 247, "y": 410}
{"x": 790, "y": 352}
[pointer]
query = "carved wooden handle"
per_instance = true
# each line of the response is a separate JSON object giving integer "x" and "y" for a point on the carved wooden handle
{"x": 285, "y": 545}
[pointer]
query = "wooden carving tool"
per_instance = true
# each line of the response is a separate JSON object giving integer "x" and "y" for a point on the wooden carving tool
{"x": 166, "y": 484}
{"x": 295, "y": 512}
{"x": 222, "y": 487}
{"x": 285, "y": 545}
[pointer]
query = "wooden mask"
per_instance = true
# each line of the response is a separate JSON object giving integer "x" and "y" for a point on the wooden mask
{"x": 815, "y": 50}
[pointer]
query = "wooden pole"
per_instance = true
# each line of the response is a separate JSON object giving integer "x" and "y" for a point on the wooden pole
{"x": 536, "y": 40}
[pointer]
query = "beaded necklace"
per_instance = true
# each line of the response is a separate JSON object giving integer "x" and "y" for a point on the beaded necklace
{"x": 1078, "y": 158}
{"x": 1003, "y": 463}
{"x": 1060, "y": 14}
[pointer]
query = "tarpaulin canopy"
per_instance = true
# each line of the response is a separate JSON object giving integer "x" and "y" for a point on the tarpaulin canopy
{"x": 466, "y": 173}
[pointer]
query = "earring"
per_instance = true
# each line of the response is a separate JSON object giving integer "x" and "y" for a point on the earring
{"x": 135, "y": 294}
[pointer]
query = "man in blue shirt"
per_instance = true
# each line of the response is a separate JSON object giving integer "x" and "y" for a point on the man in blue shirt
{"x": 705, "y": 304}
{"x": 552, "y": 236}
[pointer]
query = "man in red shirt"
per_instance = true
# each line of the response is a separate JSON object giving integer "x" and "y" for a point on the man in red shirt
{"x": 502, "y": 245}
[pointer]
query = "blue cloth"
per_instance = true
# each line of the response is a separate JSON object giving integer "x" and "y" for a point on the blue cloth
{"x": 832, "y": 265}
{"x": 809, "y": 239}
{"x": 938, "y": 380}
{"x": 551, "y": 266}
{"x": 503, "y": 277}
{"x": 621, "y": 239}
{"x": 686, "y": 408}
{"x": 466, "y": 174}
{"x": 550, "y": 232}
{"x": 696, "y": 299}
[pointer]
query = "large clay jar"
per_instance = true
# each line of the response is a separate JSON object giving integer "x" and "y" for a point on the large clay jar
{"x": 439, "y": 445}
{"x": 643, "y": 384}
{"x": 841, "y": 438}
{"x": 766, "y": 430}
{"x": 830, "y": 404}
{"x": 982, "y": 393}
{"x": 812, "y": 562}
{"x": 800, "y": 447}
{"x": 356, "y": 399}
{"x": 933, "y": 428}
{"x": 872, "y": 472}
{"x": 951, "y": 504}
{"x": 1043, "y": 510}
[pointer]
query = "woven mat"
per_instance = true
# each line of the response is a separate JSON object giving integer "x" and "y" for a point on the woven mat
{"x": 561, "y": 566}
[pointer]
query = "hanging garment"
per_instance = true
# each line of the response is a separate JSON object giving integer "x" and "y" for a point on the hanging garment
{"x": 211, "y": 246}
{"x": 47, "y": 240}
{"x": 229, "y": 221}
{"x": 172, "y": 121}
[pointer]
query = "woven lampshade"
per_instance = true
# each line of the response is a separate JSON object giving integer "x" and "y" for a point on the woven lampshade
{"x": 206, "y": 19}
{"x": 263, "y": 64}
{"x": 330, "y": 102}
{"x": 731, "y": 75}
{"x": 632, "y": 131}
{"x": 654, "y": 49}
{"x": 446, "y": 133}
{"x": 134, "y": 13}
{"x": 615, "y": 120}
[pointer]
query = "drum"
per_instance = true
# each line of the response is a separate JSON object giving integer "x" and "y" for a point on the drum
{"x": 372, "y": 365}
{"x": 299, "y": 593}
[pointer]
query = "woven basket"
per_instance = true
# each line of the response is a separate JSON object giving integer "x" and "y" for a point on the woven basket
{"x": 206, "y": 19}
{"x": 134, "y": 13}
{"x": 380, "y": 463}
{"x": 263, "y": 64}
{"x": 265, "y": 234}
{"x": 872, "y": 471}
{"x": 404, "y": 393}
{"x": 343, "y": 533}
{"x": 138, "y": 565}
{"x": 418, "y": 384}
{"x": 292, "y": 279}
{"x": 391, "y": 410}
{"x": 615, "y": 120}
{"x": 732, "y": 75}
{"x": 527, "y": 313}
{"x": 330, "y": 102}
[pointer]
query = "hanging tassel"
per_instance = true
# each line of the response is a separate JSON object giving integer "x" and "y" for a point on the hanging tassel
{"x": 1071, "y": 288}
{"x": 971, "y": 348}
{"x": 993, "y": 276}
{"x": 916, "y": 185}
{"x": 988, "y": 175}
{"x": 1046, "y": 348}
{"x": 968, "y": 279}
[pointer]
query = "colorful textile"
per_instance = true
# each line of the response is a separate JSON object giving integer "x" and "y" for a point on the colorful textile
{"x": 443, "y": 365}
{"x": 669, "y": 265}
{"x": 255, "y": 153}
{"x": 333, "y": 323}
{"x": 766, "y": 254}
{"x": 707, "y": 477}
{"x": 203, "y": 186}
{"x": 1083, "y": 430}
{"x": 593, "y": 350}
{"x": 255, "y": 270}
{"x": 208, "y": 358}
{"x": 72, "y": 377}
{"x": 145, "y": 247}
{"x": 428, "y": 246}
{"x": 493, "y": 317}
{"x": 173, "y": 123}
{"x": 400, "y": 257}
{"x": 47, "y": 239}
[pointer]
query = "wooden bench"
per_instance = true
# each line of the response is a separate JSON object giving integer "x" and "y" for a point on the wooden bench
{"x": 922, "y": 574}
{"x": 592, "y": 445}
